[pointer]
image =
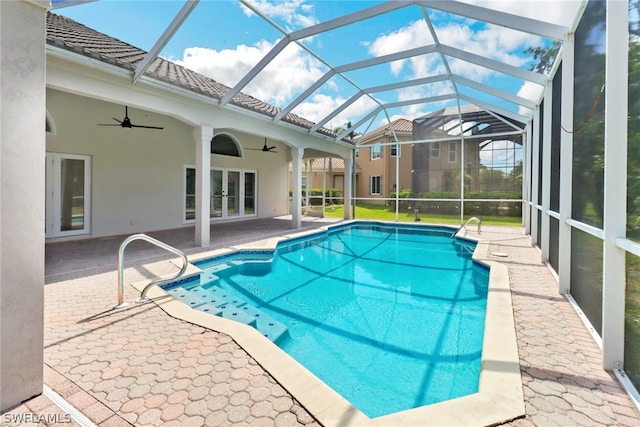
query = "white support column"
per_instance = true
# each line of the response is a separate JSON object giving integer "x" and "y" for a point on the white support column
{"x": 324, "y": 186}
{"x": 296, "y": 198}
{"x": 546, "y": 170}
{"x": 615, "y": 183}
{"x": 348, "y": 184}
{"x": 22, "y": 189}
{"x": 307, "y": 190}
{"x": 535, "y": 173}
{"x": 566, "y": 165}
{"x": 203, "y": 136}
{"x": 526, "y": 190}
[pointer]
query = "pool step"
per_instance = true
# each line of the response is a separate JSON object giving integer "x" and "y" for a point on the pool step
{"x": 220, "y": 302}
{"x": 267, "y": 325}
{"x": 218, "y": 308}
{"x": 185, "y": 296}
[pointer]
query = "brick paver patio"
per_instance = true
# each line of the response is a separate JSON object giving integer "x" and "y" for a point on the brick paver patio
{"x": 137, "y": 365}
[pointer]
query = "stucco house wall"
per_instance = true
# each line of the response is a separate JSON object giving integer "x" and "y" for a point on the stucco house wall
{"x": 138, "y": 175}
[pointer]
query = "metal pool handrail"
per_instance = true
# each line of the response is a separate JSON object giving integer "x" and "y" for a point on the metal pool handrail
{"x": 473, "y": 218}
{"x": 185, "y": 264}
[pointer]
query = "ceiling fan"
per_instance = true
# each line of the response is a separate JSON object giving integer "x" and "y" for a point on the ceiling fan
{"x": 126, "y": 122}
{"x": 265, "y": 148}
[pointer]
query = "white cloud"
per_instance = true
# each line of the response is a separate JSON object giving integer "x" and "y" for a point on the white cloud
{"x": 530, "y": 91}
{"x": 319, "y": 106}
{"x": 558, "y": 12}
{"x": 414, "y": 35}
{"x": 490, "y": 41}
{"x": 288, "y": 74}
{"x": 501, "y": 154}
{"x": 294, "y": 70}
{"x": 296, "y": 13}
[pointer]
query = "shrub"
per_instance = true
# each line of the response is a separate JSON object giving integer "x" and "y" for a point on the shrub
{"x": 315, "y": 195}
{"x": 445, "y": 207}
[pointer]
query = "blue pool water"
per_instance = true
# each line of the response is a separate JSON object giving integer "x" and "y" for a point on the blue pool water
{"x": 391, "y": 317}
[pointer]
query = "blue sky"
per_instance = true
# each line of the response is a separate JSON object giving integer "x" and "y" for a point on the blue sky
{"x": 224, "y": 39}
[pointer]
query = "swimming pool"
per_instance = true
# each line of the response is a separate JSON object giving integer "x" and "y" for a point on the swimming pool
{"x": 389, "y": 316}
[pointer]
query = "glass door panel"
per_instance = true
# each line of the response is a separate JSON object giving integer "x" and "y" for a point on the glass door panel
{"x": 249, "y": 193}
{"x": 72, "y": 212}
{"x": 233, "y": 189}
{"x": 217, "y": 193}
{"x": 67, "y": 201}
{"x": 190, "y": 194}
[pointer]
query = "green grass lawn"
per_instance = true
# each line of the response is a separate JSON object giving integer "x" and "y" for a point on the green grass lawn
{"x": 632, "y": 321}
{"x": 381, "y": 212}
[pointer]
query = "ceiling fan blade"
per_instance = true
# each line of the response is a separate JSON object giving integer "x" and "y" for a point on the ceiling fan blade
{"x": 271, "y": 148}
{"x": 146, "y": 127}
{"x": 126, "y": 122}
{"x": 267, "y": 150}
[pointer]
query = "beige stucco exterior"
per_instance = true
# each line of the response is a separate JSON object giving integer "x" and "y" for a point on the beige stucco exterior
{"x": 138, "y": 175}
{"x": 22, "y": 104}
{"x": 390, "y": 168}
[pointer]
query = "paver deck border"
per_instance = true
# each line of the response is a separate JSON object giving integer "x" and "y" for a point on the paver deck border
{"x": 499, "y": 399}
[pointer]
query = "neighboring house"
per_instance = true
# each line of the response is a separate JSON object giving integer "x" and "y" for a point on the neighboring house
{"x": 105, "y": 178}
{"x": 492, "y": 146}
{"x": 327, "y": 173}
{"x": 427, "y": 154}
{"x": 377, "y": 157}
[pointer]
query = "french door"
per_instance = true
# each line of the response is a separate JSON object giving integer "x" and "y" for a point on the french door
{"x": 68, "y": 190}
{"x": 232, "y": 193}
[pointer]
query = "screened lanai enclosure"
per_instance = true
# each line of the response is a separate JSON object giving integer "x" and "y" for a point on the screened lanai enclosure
{"x": 459, "y": 162}
{"x": 452, "y": 109}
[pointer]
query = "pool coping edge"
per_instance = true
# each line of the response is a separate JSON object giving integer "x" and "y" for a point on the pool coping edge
{"x": 499, "y": 399}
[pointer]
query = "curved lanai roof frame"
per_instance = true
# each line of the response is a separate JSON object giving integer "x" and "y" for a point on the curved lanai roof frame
{"x": 377, "y": 86}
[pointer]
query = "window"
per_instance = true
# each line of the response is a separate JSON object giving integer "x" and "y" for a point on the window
{"x": 224, "y": 145}
{"x": 376, "y": 152}
{"x": 395, "y": 150}
{"x": 435, "y": 149}
{"x": 375, "y": 184}
{"x": 357, "y": 153}
{"x": 452, "y": 152}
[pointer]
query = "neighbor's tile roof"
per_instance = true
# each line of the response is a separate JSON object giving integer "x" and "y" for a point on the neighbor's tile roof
{"x": 400, "y": 126}
{"x": 337, "y": 164}
{"x": 70, "y": 35}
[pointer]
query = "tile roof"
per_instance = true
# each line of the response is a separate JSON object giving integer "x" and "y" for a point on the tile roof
{"x": 72, "y": 36}
{"x": 403, "y": 126}
{"x": 337, "y": 165}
